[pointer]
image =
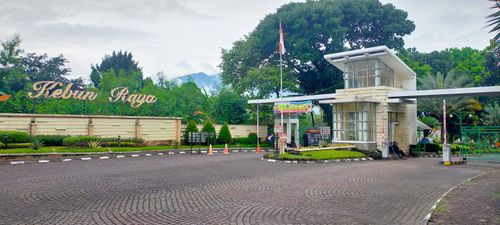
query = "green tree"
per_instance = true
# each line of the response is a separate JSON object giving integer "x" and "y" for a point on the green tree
{"x": 313, "y": 29}
{"x": 12, "y": 75}
{"x": 453, "y": 104}
{"x": 224, "y": 134}
{"x": 117, "y": 61}
{"x": 208, "y": 126}
{"x": 494, "y": 20}
{"x": 230, "y": 107}
{"x": 492, "y": 64}
{"x": 191, "y": 127}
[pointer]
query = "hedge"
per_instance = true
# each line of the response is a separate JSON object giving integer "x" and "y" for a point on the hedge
{"x": 224, "y": 134}
{"x": 121, "y": 144}
{"x": 80, "y": 141}
{"x": 372, "y": 154}
{"x": 15, "y": 136}
{"x": 51, "y": 140}
{"x": 16, "y": 145}
{"x": 115, "y": 139}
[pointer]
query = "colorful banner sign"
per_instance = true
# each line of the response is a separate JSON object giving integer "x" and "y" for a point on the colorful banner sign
{"x": 293, "y": 107}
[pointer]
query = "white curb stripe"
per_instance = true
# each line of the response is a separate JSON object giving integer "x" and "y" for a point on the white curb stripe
{"x": 182, "y": 152}
{"x": 66, "y": 160}
{"x": 104, "y": 157}
{"x": 86, "y": 158}
{"x": 148, "y": 154}
{"x": 135, "y": 155}
{"x": 43, "y": 161}
{"x": 161, "y": 153}
{"x": 171, "y": 153}
{"x": 120, "y": 156}
{"x": 16, "y": 162}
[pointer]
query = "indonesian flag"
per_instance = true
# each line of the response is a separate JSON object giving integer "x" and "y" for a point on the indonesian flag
{"x": 282, "y": 41}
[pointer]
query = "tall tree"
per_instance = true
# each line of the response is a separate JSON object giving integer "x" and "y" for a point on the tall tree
{"x": 12, "y": 75}
{"x": 230, "y": 107}
{"x": 313, "y": 29}
{"x": 494, "y": 20}
{"x": 42, "y": 67}
{"x": 117, "y": 61}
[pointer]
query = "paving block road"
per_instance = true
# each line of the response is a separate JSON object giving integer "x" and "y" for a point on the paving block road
{"x": 234, "y": 189}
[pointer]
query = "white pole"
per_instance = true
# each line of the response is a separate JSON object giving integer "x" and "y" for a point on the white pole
{"x": 446, "y": 149}
{"x": 258, "y": 137}
{"x": 281, "y": 89}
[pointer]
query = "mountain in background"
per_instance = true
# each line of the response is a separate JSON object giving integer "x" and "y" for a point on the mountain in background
{"x": 202, "y": 80}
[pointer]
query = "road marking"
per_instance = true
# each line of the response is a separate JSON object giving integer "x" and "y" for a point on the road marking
{"x": 104, "y": 157}
{"x": 16, "y": 162}
{"x": 66, "y": 160}
{"x": 171, "y": 153}
{"x": 120, "y": 156}
{"x": 43, "y": 161}
{"x": 161, "y": 153}
{"x": 135, "y": 155}
{"x": 148, "y": 154}
{"x": 182, "y": 152}
{"x": 86, "y": 158}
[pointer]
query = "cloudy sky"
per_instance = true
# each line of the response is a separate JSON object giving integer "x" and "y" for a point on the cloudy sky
{"x": 185, "y": 36}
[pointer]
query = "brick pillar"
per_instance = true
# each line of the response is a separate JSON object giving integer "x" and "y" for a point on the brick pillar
{"x": 33, "y": 127}
{"x": 138, "y": 129}
{"x": 90, "y": 128}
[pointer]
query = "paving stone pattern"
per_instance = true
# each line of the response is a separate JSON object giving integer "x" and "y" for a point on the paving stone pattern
{"x": 235, "y": 189}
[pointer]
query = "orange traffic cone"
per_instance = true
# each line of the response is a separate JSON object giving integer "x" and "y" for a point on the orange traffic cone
{"x": 258, "y": 148}
{"x": 210, "y": 151}
{"x": 226, "y": 150}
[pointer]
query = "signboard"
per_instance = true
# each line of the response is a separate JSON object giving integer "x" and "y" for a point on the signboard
{"x": 58, "y": 90}
{"x": 293, "y": 107}
{"x": 200, "y": 137}
{"x": 325, "y": 132}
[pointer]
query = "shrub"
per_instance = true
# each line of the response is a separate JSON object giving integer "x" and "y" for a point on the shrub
{"x": 15, "y": 136}
{"x": 36, "y": 143}
{"x": 115, "y": 139}
{"x": 224, "y": 134}
{"x": 240, "y": 140}
{"x": 252, "y": 138}
{"x": 51, "y": 140}
{"x": 372, "y": 154}
{"x": 16, "y": 145}
{"x": 80, "y": 141}
{"x": 208, "y": 127}
{"x": 122, "y": 144}
{"x": 191, "y": 127}
{"x": 94, "y": 144}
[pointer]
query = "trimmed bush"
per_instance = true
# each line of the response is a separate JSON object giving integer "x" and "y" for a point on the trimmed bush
{"x": 79, "y": 141}
{"x": 240, "y": 140}
{"x": 224, "y": 134}
{"x": 252, "y": 138}
{"x": 15, "y": 136}
{"x": 372, "y": 154}
{"x": 51, "y": 140}
{"x": 191, "y": 127}
{"x": 208, "y": 127}
{"x": 16, "y": 145}
{"x": 115, "y": 139}
{"x": 122, "y": 144}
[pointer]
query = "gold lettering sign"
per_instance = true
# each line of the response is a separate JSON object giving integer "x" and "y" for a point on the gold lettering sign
{"x": 53, "y": 89}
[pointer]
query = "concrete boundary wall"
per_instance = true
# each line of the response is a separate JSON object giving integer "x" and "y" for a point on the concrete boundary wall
{"x": 238, "y": 131}
{"x": 154, "y": 130}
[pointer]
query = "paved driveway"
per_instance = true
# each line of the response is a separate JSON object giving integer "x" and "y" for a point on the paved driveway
{"x": 234, "y": 189}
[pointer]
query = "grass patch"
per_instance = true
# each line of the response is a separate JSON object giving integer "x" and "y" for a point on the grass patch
{"x": 319, "y": 155}
{"x": 442, "y": 206}
{"x": 63, "y": 149}
{"x": 496, "y": 195}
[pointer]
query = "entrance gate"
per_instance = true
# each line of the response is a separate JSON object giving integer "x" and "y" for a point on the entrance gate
{"x": 481, "y": 143}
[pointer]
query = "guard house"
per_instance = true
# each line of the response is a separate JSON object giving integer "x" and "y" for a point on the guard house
{"x": 363, "y": 114}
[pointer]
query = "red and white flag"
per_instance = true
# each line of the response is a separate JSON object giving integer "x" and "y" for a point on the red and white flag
{"x": 282, "y": 41}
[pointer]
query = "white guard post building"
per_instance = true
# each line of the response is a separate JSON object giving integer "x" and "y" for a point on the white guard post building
{"x": 363, "y": 114}
{"x": 377, "y": 106}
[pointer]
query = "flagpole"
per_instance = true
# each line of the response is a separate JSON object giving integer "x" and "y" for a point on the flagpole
{"x": 281, "y": 84}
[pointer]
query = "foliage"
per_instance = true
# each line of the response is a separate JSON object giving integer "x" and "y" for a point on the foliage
{"x": 320, "y": 155}
{"x": 15, "y": 136}
{"x": 492, "y": 62}
{"x": 191, "y": 127}
{"x": 494, "y": 20}
{"x": 15, "y": 145}
{"x": 492, "y": 114}
{"x": 94, "y": 144}
{"x": 80, "y": 141}
{"x": 51, "y": 140}
{"x": 252, "y": 138}
{"x": 36, "y": 143}
{"x": 372, "y": 154}
{"x": 312, "y": 29}
{"x": 224, "y": 134}
{"x": 230, "y": 108}
{"x": 120, "y": 63}
{"x": 119, "y": 144}
{"x": 209, "y": 127}
{"x": 430, "y": 121}
{"x": 115, "y": 139}
{"x": 324, "y": 143}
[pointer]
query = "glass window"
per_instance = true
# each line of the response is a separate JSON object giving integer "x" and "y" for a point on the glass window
{"x": 354, "y": 122}
{"x": 365, "y": 73}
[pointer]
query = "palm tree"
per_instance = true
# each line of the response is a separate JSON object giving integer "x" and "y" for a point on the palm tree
{"x": 492, "y": 114}
{"x": 494, "y": 20}
{"x": 453, "y": 104}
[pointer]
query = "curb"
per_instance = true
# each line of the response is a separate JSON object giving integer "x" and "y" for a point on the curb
{"x": 429, "y": 215}
{"x": 452, "y": 163}
{"x": 104, "y": 156}
{"x": 318, "y": 161}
